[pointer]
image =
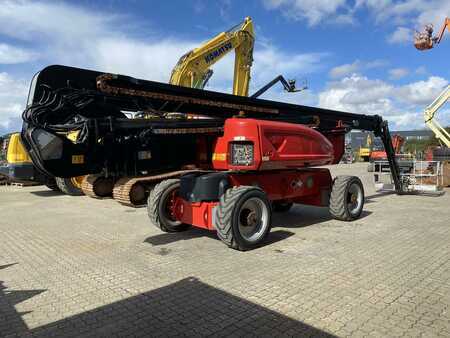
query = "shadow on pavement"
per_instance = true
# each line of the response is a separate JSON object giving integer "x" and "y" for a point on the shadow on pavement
{"x": 168, "y": 238}
{"x": 46, "y": 193}
{"x": 300, "y": 216}
{"x": 372, "y": 198}
{"x": 13, "y": 322}
{"x": 188, "y": 307}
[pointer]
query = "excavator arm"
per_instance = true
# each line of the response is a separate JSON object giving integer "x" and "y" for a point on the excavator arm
{"x": 193, "y": 68}
{"x": 441, "y": 134}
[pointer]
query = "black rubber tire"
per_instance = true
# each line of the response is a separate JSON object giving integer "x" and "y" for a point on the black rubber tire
{"x": 338, "y": 199}
{"x": 227, "y": 220}
{"x": 50, "y": 183}
{"x": 281, "y": 206}
{"x": 67, "y": 187}
{"x": 156, "y": 207}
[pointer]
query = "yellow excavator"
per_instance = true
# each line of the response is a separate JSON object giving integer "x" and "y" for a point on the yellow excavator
{"x": 20, "y": 168}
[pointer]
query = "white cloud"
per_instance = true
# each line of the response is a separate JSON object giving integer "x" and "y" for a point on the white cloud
{"x": 421, "y": 70}
{"x": 357, "y": 94}
{"x": 313, "y": 11}
{"x": 345, "y": 69}
{"x": 401, "y": 35}
{"x": 355, "y": 67}
{"x": 31, "y": 20}
{"x": 398, "y": 73}
{"x": 11, "y": 55}
{"x": 402, "y": 106}
{"x": 422, "y": 92}
{"x": 13, "y": 95}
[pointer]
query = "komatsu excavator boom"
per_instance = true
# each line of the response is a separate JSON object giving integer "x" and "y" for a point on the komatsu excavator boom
{"x": 194, "y": 68}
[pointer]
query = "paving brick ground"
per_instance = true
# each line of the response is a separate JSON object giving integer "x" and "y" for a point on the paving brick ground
{"x": 74, "y": 266}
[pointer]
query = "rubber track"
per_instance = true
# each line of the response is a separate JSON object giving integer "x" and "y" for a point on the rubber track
{"x": 88, "y": 186}
{"x": 225, "y": 214}
{"x": 122, "y": 188}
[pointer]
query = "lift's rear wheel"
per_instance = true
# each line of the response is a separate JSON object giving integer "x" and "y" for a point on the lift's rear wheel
{"x": 160, "y": 206}
{"x": 282, "y": 206}
{"x": 243, "y": 217}
{"x": 70, "y": 186}
{"x": 347, "y": 198}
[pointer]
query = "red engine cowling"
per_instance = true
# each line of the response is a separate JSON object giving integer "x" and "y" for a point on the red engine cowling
{"x": 250, "y": 144}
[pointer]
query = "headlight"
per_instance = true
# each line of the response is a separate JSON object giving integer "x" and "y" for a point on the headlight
{"x": 242, "y": 154}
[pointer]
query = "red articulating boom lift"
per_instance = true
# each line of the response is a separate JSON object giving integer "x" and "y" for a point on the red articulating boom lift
{"x": 250, "y": 157}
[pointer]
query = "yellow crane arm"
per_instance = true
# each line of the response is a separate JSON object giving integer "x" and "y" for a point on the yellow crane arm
{"x": 193, "y": 68}
{"x": 429, "y": 114}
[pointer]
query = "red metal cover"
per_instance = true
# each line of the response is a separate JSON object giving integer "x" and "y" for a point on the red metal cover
{"x": 277, "y": 145}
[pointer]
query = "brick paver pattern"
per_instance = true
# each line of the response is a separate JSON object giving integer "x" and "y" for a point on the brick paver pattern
{"x": 75, "y": 266}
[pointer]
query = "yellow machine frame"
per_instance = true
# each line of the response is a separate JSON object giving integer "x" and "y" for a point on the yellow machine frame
{"x": 429, "y": 114}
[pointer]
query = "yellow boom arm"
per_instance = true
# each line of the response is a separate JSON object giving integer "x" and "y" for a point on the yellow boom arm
{"x": 193, "y": 68}
{"x": 441, "y": 134}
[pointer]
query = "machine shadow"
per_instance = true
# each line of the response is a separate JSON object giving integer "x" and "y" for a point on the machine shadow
{"x": 303, "y": 215}
{"x": 168, "y": 238}
{"x": 372, "y": 198}
{"x": 11, "y": 322}
{"x": 188, "y": 307}
{"x": 46, "y": 193}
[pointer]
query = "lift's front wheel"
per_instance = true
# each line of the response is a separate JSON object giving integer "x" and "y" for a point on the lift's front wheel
{"x": 160, "y": 206}
{"x": 243, "y": 217}
{"x": 347, "y": 198}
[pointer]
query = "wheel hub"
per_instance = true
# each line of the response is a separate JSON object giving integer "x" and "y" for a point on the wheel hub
{"x": 253, "y": 217}
{"x": 354, "y": 199}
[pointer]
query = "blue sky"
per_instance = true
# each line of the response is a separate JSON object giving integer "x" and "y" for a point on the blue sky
{"x": 356, "y": 55}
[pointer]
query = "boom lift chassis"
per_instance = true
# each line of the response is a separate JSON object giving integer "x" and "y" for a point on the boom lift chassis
{"x": 238, "y": 157}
